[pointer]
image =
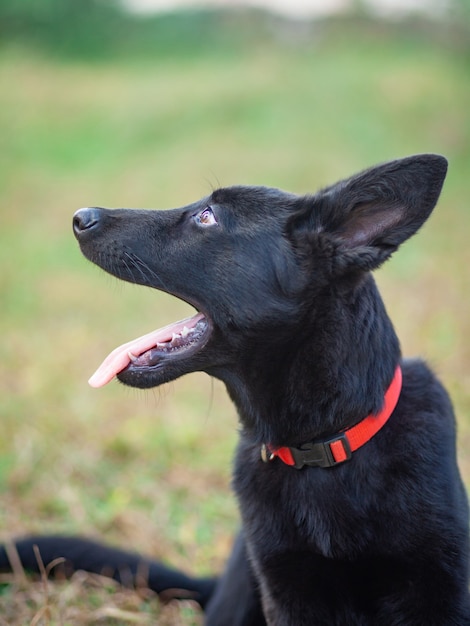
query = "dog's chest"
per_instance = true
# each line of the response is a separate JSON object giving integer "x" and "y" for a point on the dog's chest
{"x": 296, "y": 510}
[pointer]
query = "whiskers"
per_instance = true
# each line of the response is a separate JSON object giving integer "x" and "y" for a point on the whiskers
{"x": 140, "y": 271}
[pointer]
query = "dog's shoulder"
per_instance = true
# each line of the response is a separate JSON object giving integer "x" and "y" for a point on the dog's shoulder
{"x": 423, "y": 391}
{"x": 424, "y": 427}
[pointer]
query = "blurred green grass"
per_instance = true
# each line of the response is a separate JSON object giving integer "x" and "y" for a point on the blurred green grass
{"x": 152, "y": 470}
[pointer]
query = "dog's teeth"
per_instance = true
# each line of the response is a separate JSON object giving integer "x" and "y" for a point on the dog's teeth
{"x": 161, "y": 345}
{"x": 175, "y": 336}
{"x": 185, "y": 332}
{"x": 132, "y": 357}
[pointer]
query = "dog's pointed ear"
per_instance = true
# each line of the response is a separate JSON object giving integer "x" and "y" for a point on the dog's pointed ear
{"x": 369, "y": 215}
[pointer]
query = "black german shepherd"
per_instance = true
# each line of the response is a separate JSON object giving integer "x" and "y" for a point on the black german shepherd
{"x": 353, "y": 510}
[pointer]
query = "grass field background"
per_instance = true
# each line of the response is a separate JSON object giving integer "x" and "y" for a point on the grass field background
{"x": 295, "y": 108}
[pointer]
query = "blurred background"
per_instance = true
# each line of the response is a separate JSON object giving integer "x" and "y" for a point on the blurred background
{"x": 151, "y": 104}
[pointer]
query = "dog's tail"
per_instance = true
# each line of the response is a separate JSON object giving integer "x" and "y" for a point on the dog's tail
{"x": 69, "y": 554}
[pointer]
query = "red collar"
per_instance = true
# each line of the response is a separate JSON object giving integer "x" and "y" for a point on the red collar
{"x": 338, "y": 448}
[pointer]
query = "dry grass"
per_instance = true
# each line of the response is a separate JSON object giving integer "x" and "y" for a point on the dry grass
{"x": 85, "y": 599}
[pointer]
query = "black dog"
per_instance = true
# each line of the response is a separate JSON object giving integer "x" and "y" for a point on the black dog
{"x": 352, "y": 506}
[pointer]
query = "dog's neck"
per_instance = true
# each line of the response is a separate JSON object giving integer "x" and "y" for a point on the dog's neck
{"x": 332, "y": 373}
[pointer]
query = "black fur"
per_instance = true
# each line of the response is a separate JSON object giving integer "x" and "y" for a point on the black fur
{"x": 299, "y": 334}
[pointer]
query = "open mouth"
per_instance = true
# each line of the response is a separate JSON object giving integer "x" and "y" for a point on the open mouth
{"x": 178, "y": 340}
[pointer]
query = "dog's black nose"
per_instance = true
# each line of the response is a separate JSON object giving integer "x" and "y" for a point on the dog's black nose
{"x": 86, "y": 220}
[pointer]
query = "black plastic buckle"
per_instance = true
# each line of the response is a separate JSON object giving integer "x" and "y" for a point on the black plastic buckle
{"x": 319, "y": 453}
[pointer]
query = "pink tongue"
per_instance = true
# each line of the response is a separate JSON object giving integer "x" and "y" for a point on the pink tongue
{"x": 119, "y": 358}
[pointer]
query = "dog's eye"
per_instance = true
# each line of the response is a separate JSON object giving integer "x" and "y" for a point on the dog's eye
{"x": 206, "y": 217}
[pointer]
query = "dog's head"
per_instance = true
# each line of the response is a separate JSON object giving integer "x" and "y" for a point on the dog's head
{"x": 252, "y": 261}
